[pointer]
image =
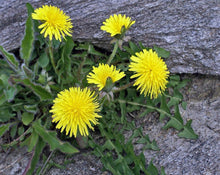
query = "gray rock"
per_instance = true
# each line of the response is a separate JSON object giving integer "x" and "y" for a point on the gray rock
{"x": 189, "y": 29}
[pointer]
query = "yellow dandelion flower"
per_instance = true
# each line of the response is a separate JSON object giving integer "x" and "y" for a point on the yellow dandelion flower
{"x": 114, "y": 25}
{"x": 55, "y": 22}
{"x": 74, "y": 110}
{"x": 151, "y": 73}
{"x": 101, "y": 73}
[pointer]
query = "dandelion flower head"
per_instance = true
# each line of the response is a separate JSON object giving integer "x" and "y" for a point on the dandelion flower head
{"x": 115, "y": 23}
{"x": 151, "y": 73}
{"x": 75, "y": 110}
{"x": 100, "y": 74}
{"x": 54, "y": 22}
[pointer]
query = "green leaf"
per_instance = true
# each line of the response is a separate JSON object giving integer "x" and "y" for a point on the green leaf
{"x": 33, "y": 140}
{"x": 83, "y": 46}
{"x": 176, "y": 121}
{"x": 26, "y": 141}
{"x": 27, "y": 42}
{"x": 152, "y": 169}
{"x": 177, "y": 94}
{"x": 188, "y": 132}
{"x": 107, "y": 163}
{"x": 184, "y": 104}
{"x": 2, "y": 99}
{"x": 68, "y": 47}
{"x": 13, "y": 130}
{"x": 4, "y": 128}
{"x": 43, "y": 60}
{"x": 37, "y": 152}
{"x": 142, "y": 47}
{"x": 10, "y": 93}
{"x": 41, "y": 92}
{"x": 30, "y": 9}
{"x": 143, "y": 139}
{"x": 91, "y": 50}
{"x": 4, "y": 81}
{"x": 174, "y": 80}
{"x": 164, "y": 110}
{"x": 39, "y": 40}
{"x": 108, "y": 145}
{"x": 79, "y": 55}
{"x": 183, "y": 83}
{"x": 27, "y": 71}
{"x": 176, "y": 98}
{"x": 10, "y": 58}
{"x": 51, "y": 138}
{"x": 66, "y": 51}
{"x": 148, "y": 144}
{"x": 140, "y": 164}
{"x": 20, "y": 130}
{"x": 134, "y": 47}
{"x": 175, "y": 77}
{"x": 27, "y": 118}
{"x": 162, "y": 171}
{"x": 1, "y": 84}
{"x": 64, "y": 64}
{"x": 129, "y": 50}
{"x": 31, "y": 108}
{"x": 6, "y": 115}
{"x": 162, "y": 52}
{"x": 152, "y": 145}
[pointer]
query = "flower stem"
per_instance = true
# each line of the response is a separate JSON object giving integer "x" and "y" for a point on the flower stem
{"x": 123, "y": 87}
{"x": 113, "y": 52}
{"x": 146, "y": 106}
{"x": 51, "y": 56}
